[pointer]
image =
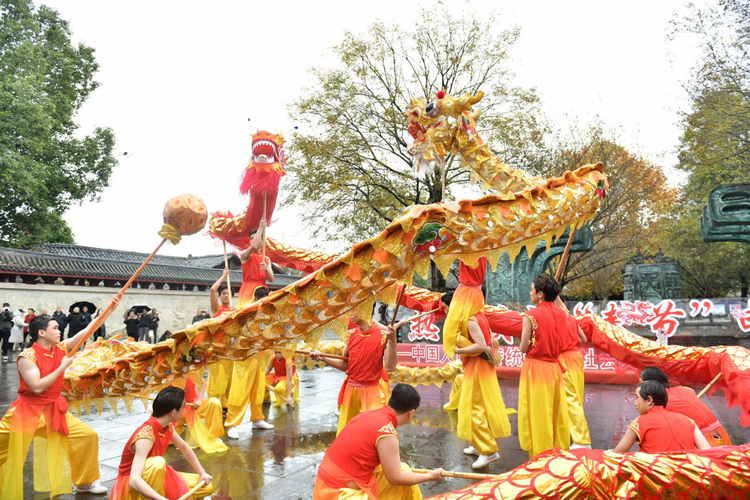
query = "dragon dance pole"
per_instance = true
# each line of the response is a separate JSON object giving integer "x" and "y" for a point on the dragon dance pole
{"x": 183, "y": 215}
{"x": 229, "y": 283}
{"x": 710, "y": 384}
{"x": 461, "y": 475}
{"x": 334, "y": 356}
{"x": 193, "y": 490}
{"x": 398, "y": 303}
{"x": 564, "y": 257}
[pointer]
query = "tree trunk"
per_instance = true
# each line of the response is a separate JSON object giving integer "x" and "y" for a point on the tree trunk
{"x": 437, "y": 279}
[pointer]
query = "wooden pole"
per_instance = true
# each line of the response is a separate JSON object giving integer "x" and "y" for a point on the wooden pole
{"x": 422, "y": 315}
{"x": 460, "y": 475}
{"x": 229, "y": 283}
{"x": 710, "y": 384}
{"x": 564, "y": 257}
{"x": 398, "y": 303}
{"x": 99, "y": 320}
{"x": 263, "y": 241}
{"x": 193, "y": 490}
{"x": 334, "y": 356}
{"x": 442, "y": 167}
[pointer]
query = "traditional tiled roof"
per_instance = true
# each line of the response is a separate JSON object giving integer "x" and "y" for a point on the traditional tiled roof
{"x": 100, "y": 263}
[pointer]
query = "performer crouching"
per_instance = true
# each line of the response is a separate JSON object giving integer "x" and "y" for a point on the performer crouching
{"x": 364, "y": 461}
{"x": 143, "y": 471}
{"x": 40, "y": 411}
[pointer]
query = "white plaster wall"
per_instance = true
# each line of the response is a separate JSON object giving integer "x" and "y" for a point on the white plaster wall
{"x": 176, "y": 307}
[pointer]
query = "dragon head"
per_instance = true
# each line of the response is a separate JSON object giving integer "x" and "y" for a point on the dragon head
{"x": 435, "y": 125}
{"x": 268, "y": 151}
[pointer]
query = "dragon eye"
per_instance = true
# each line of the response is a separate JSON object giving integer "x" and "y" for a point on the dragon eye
{"x": 430, "y": 107}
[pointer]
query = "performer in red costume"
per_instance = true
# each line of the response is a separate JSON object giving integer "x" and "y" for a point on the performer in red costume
{"x": 542, "y": 406}
{"x": 572, "y": 362}
{"x": 468, "y": 300}
{"x": 683, "y": 400}
{"x": 221, "y": 296}
{"x": 143, "y": 470}
{"x": 371, "y": 347}
{"x": 364, "y": 461}
{"x": 284, "y": 381}
{"x": 41, "y": 411}
{"x": 482, "y": 417}
{"x": 255, "y": 272}
{"x": 657, "y": 430}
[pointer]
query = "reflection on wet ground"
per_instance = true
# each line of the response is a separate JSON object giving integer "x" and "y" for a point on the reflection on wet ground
{"x": 281, "y": 464}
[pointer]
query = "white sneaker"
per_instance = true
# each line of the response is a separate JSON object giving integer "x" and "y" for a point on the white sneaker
{"x": 5, "y": 359}
{"x": 471, "y": 451}
{"x": 576, "y": 446}
{"x": 483, "y": 460}
{"x": 93, "y": 488}
{"x": 262, "y": 424}
{"x": 233, "y": 433}
{"x": 447, "y": 407}
{"x": 337, "y": 412}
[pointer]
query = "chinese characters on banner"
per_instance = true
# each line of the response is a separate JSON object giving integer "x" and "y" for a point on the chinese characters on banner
{"x": 662, "y": 318}
{"x": 743, "y": 317}
{"x": 424, "y": 328}
{"x": 510, "y": 357}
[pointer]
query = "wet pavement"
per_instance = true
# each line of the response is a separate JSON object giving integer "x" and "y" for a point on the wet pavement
{"x": 281, "y": 464}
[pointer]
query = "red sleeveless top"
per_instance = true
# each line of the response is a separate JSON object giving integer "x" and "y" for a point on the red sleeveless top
{"x": 154, "y": 432}
{"x": 365, "y": 356}
{"x": 472, "y": 276}
{"x": 552, "y": 326}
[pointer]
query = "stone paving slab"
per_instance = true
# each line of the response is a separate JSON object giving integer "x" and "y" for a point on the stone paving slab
{"x": 281, "y": 464}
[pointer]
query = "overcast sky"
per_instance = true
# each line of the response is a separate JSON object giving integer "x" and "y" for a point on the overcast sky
{"x": 179, "y": 81}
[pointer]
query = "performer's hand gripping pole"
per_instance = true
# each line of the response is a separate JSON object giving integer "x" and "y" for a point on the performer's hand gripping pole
{"x": 462, "y": 475}
{"x": 193, "y": 490}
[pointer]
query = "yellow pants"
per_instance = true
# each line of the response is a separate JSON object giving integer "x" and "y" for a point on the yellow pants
{"x": 542, "y": 408}
{"x": 153, "y": 473}
{"x": 386, "y": 490}
{"x": 247, "y": 389}
{"x": 455, "y": 396}
{"x": 574, "y": 384}
{"x": 279, "y": 391}
{"x": 83, "y": 448}
{"x": 210, "y": 411}
{"x": 357, "y": 400}
{"x": 219, "y": 380}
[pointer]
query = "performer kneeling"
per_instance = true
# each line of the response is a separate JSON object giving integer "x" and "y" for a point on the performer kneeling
{"x": 284, "y": 380}
{"x": 364, "y": 461}
{"x": 40, "y": 411}
{"x": 143, "y": 471}
{"x": 657, "y": 430}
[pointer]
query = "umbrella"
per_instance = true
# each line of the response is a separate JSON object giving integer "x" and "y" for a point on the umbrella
{"x": 140, "y": 307}
{"x": 79, "y": 305}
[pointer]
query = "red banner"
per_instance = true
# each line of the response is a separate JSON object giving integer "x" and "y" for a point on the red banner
{"x": 598, "y": 366}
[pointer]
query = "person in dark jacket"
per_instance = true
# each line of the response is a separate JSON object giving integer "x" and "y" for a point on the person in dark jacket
{"x": 131, "y": 324}
{"x": 85, "y": 317}
{"x": 101, "y": 332}
{"x": 144, "y": 325}
{"x": 6, "y": 324}
{"x": 74, "y": 322}
{"x": 155, "y": 322}
{"x": 62, "y": 322}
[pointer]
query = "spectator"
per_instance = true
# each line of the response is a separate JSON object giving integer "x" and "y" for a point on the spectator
{"x": 16, "y": 334}
{"x": 100, "y": 332}
{"x": 155, "y": 322}
{"x": 144, "y": 325}
{"x": 131, "y": 324}
{"x": 62, "y": 322}
{"x": 85, "y": 317}
{"x": 6, "y": 324}
{"x": 198, "y": 316}
{"x": 31, "y": 314}
{"x": 44, "y": 312}
{"x": 74, "y": 322}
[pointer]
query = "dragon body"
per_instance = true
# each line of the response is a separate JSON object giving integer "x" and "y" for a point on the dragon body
{"x": 523, "y": 212}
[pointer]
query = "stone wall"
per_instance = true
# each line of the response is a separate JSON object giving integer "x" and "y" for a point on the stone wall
{"x": 176, "y": 307}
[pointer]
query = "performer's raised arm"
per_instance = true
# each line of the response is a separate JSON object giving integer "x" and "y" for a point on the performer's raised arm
{"x": 255, "y": 242}
{"x": 215, "y": 291}
{"x": 390, "y": 358}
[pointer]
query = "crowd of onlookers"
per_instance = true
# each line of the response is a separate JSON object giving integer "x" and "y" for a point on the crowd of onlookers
{"x": 142, "y": 325}
{"x": 14, "y": 325}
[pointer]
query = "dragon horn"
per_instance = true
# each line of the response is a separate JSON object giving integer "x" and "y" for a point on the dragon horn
{"x": 476, "y": 114}
{"x": 476, "y": 97}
